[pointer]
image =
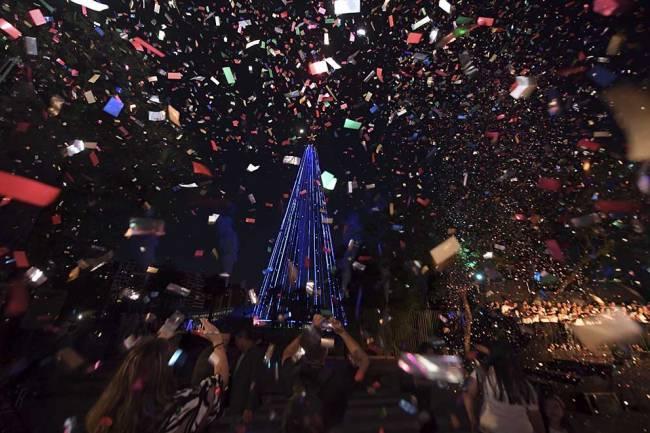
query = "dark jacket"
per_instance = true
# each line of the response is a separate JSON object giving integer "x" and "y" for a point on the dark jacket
{"x": 246, "y": 380}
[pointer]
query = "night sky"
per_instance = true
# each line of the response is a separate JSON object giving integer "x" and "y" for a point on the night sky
{"x": 442, "y": 148}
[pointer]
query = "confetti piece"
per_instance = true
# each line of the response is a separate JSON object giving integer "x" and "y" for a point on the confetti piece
{"x": 523, "y": 87}
{"x": 554, "y": 250}
{"x": 9, "y": 29}
{"x": 615, "y": 206}
{"x": 631, "y": 108}
{"x": 549, "y": 184}
{"x": 414, "y": 38}
{"x": 352, "y": 124}
{"x": 420, "y": 23}
{"x": 601, "y": 76}
{"x": 606, "y": 7}
{"x": 91, "y": 4}
{"x": 114, "y": 107}
{"x": 21, "y": 259}
{"x": 174, "y": 115}
{"x": 230, "y": 78}
{"x": 318, "y": 67}
{"x": 442, "y": 253}
{"x": 36, "y": 16}
{"x": 141, "y": 45}
{"x": 482, "y": 21}
{"x": 588, "y": 144}
{"x": 291, "y": 160}
{"x": 615, "y": 327}
{"x": 199, "y": 168}
{"x": 27, "y": 190}
{"x": 329, "y": 181}
{"x": 445, "y": 6}
{"x": 347, "y": 7}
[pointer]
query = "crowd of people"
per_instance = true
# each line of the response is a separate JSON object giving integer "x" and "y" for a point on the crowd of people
{"x": 146, "y": 394}
{"x": 180, "y": 375}
{"x": 568, "y": 312}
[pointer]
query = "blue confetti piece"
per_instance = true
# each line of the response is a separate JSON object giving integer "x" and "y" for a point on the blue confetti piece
{"x": 601, "y": 76}
{"x": 113, "y": 107}
{"x": 99, "y": 31}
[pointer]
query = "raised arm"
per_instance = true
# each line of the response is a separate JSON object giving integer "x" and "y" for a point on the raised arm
{"x": 218, "y": 359}
{"x": 294, "y": 346}
{"x": 291, "y": 349}
{"x": 358, "y": 355}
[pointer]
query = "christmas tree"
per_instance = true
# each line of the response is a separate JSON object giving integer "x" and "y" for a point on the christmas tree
{"x": 300, "y": 279}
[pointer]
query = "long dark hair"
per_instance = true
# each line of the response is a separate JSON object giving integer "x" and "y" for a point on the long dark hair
{"x": 511, "y": 384}
{"x": 135, "y": 399}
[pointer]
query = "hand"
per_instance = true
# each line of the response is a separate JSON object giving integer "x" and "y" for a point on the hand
{"x": 210, "y": 332}
{"x": 247, "y": 417}
{"x": 317, "y": 320}
{"x": 337, "y": 326}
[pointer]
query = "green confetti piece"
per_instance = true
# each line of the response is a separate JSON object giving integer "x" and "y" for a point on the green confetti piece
{"x": 230, "y": 78}
{"x": 352, "y": 124}
{"x": 460, "y": 31}
{"x": 328, "y": 180}
{"x": 461, "y": 20}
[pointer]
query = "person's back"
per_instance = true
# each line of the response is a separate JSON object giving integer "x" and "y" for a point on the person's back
{"x": 510, "y": 402}
{"x": 502, "y": 415}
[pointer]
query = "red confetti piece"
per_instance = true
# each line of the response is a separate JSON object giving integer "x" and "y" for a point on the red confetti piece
{"x": 380, "y": 74}
{"x": 391, "y": 21}
{"x": 616, "y": 206}
{"x": 607, "y": 7}
{"x": 198, "y": 253}
{"x": 174, "y": 75}
{"x": 549, "y": 184}
{"x": 141, "y": 45}
{"x": 200, "y": 169}
{"x": 250, "y": 220}
{"x": 94, "y": 159}
{"x": 37, "y": 17}
{"x": 588, "y": 144}
{"x": 27, "y": 190}
{"x": 493, "y": 136}
{"x": 483, "y": 21}
{"x": 56, "y": 219}
{"x": 21, "y": 259}
{"x": 555, "y": 250}
{"x": 9, "y": 29}
{"x": 424, "y": 202}
{"x": 414, "y": 38}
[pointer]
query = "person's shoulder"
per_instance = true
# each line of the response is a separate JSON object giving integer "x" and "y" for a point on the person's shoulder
{"x": 258, "y": 351}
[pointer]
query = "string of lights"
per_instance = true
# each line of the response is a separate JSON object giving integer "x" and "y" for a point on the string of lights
{"x": 300, "y": 278}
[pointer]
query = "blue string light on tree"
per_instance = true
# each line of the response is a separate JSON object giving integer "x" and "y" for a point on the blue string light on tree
{"x": 300, "y": 278}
